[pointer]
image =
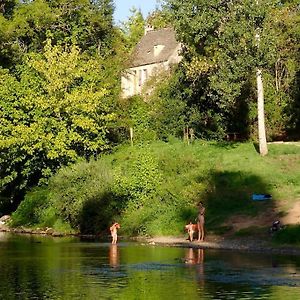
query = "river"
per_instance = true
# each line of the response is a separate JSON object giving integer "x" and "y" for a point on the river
{"x": 35, "y": 267}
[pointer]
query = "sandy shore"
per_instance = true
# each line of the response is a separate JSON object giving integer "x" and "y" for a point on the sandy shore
{"x": 240, "y": 244}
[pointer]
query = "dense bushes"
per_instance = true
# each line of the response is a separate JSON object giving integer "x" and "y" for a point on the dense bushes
{"x": 30, "y": 210}
{"x": 78, "y": 197}
{"x": 153, "y": 189}
{"x": 59, "y": 84}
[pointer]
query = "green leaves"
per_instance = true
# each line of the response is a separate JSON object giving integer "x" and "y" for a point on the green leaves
{"x": 133, "y": 29}
{"x": 225, "y": 41}
{"x": 56, "y": 113}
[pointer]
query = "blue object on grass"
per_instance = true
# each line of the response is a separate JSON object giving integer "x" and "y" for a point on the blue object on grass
{"x": 261, "y": 197}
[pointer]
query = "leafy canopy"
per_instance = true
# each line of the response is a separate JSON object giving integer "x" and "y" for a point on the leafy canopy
{"x": 56, "y": 112}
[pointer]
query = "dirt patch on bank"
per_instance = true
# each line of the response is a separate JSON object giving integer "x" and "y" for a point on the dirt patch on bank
{"x": 293, "y": 215}
{"x": 265, "y": 219}
{"x": 239, "y": 222}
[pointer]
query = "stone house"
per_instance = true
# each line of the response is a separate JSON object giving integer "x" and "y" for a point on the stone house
{"x": 157, "y": 50}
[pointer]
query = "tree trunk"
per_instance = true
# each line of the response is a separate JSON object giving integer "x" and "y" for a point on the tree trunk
{"x": 263, "y": 148}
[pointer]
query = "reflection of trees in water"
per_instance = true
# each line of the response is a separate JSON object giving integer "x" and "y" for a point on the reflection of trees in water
{"x": 238, "y": 275}
{"x": 42, "y": 269}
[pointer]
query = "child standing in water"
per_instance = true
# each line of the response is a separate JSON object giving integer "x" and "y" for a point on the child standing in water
{"x": 201, "y": 221}
{"x": 113, "y": 231}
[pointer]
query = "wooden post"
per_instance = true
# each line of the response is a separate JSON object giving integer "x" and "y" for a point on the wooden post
{"x": 186, "y": 134}
{"x": 192, "y": 135}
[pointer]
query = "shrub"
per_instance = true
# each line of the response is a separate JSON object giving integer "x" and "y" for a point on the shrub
{"x": 81, "y": 195}
{"x": 288, "y": 235}
{"x": 28, "y": 212}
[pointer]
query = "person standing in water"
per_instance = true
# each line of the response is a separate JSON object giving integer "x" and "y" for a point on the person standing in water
{"x": 201, "y": 221}
{"x": 113, "y": 231}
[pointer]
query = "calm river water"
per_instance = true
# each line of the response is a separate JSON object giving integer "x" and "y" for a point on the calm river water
{"x": 67, "y": 268}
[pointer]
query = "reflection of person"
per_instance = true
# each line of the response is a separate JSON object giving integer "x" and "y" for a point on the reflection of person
{"x": 200, "y": 267}
{"x": 113, "y": 231}
{"x": 114, "y": 256}
{"x": 194, "y": 256}
{"x": 200, "y": 256}
{"x": 201, "y": 221}
{"x": 190, "y": 257}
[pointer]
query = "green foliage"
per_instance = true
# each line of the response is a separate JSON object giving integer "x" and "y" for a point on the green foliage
{"x": 135, "y": 113}
{"x": 78, "y": 198}
{"x": 59, "y": 88}
{"x": 81, "y": 196}
{"x": 7, "y": 7}
{"x": 168, "y": 113}
{"x": 160, "y": 18}
{"x": 84, "y": 23}
{"x": 137, "y": 184}
{"x": 28, "y": 213}
{"x": 133, "y": 29}
{"x": 221, "y": 55}
{"x": 173, "y": 104}
{"x": 288, "y": 235}
{"x": 57, "y": 111}
{"x": 154, "y": 189}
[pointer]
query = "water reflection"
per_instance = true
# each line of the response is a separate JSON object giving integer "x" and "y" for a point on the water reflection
{"x": 44, "y": 268}
{"x": 194, "y": 256}
{"x": 114, "y": 256}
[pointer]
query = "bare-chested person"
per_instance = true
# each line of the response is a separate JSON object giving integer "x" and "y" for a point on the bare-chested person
{"x": 113, "y": 231}
{"x": 201, "y": 221}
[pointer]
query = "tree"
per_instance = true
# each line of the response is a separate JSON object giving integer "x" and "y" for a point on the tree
{"x": 7, "y": 7}
{"x": 221, "y": 55}
{"x": 133, "y": 28}
{"x": 160, "y": 18}
{"x": 56, "y": 112}
{"x": 284, "y": 25}
{"x": 262, "y": 140}
{"x": 88, "y": 24}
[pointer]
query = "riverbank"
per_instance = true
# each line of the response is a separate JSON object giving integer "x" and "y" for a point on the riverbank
{"x": 249, "y": 244}
{"x": 167, "y": 180}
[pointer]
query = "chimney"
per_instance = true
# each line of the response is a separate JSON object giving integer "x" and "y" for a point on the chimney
{"x": 148, "y": 28}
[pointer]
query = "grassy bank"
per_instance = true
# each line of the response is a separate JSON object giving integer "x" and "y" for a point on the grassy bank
{"x": 153, "y": 189}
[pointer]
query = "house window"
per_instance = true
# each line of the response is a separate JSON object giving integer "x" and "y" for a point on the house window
{"x": 145, "y": 71}
{"x": 133, "y": 82}
{"x": 140, "y": 77}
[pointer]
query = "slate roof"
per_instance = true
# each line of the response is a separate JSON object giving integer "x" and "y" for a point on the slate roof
{"x": 144, "y": 51}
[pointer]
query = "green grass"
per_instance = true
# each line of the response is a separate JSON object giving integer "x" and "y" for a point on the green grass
{"x": 289, "y": 235}
{"x": 153, "y": 189}
{"x": 255, "y": 231}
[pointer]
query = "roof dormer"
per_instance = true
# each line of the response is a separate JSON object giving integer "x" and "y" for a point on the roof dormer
{"x": 157, "y": 49}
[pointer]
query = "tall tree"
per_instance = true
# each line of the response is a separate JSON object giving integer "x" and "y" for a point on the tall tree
{"x": 88, "y": 24}
{"x": 262, "y": 140}
{"x": 221, "y": 54}
{"x": 55, "y": 113}
{"x": 160, "y": 18}
{"x": 133, "y": 28}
